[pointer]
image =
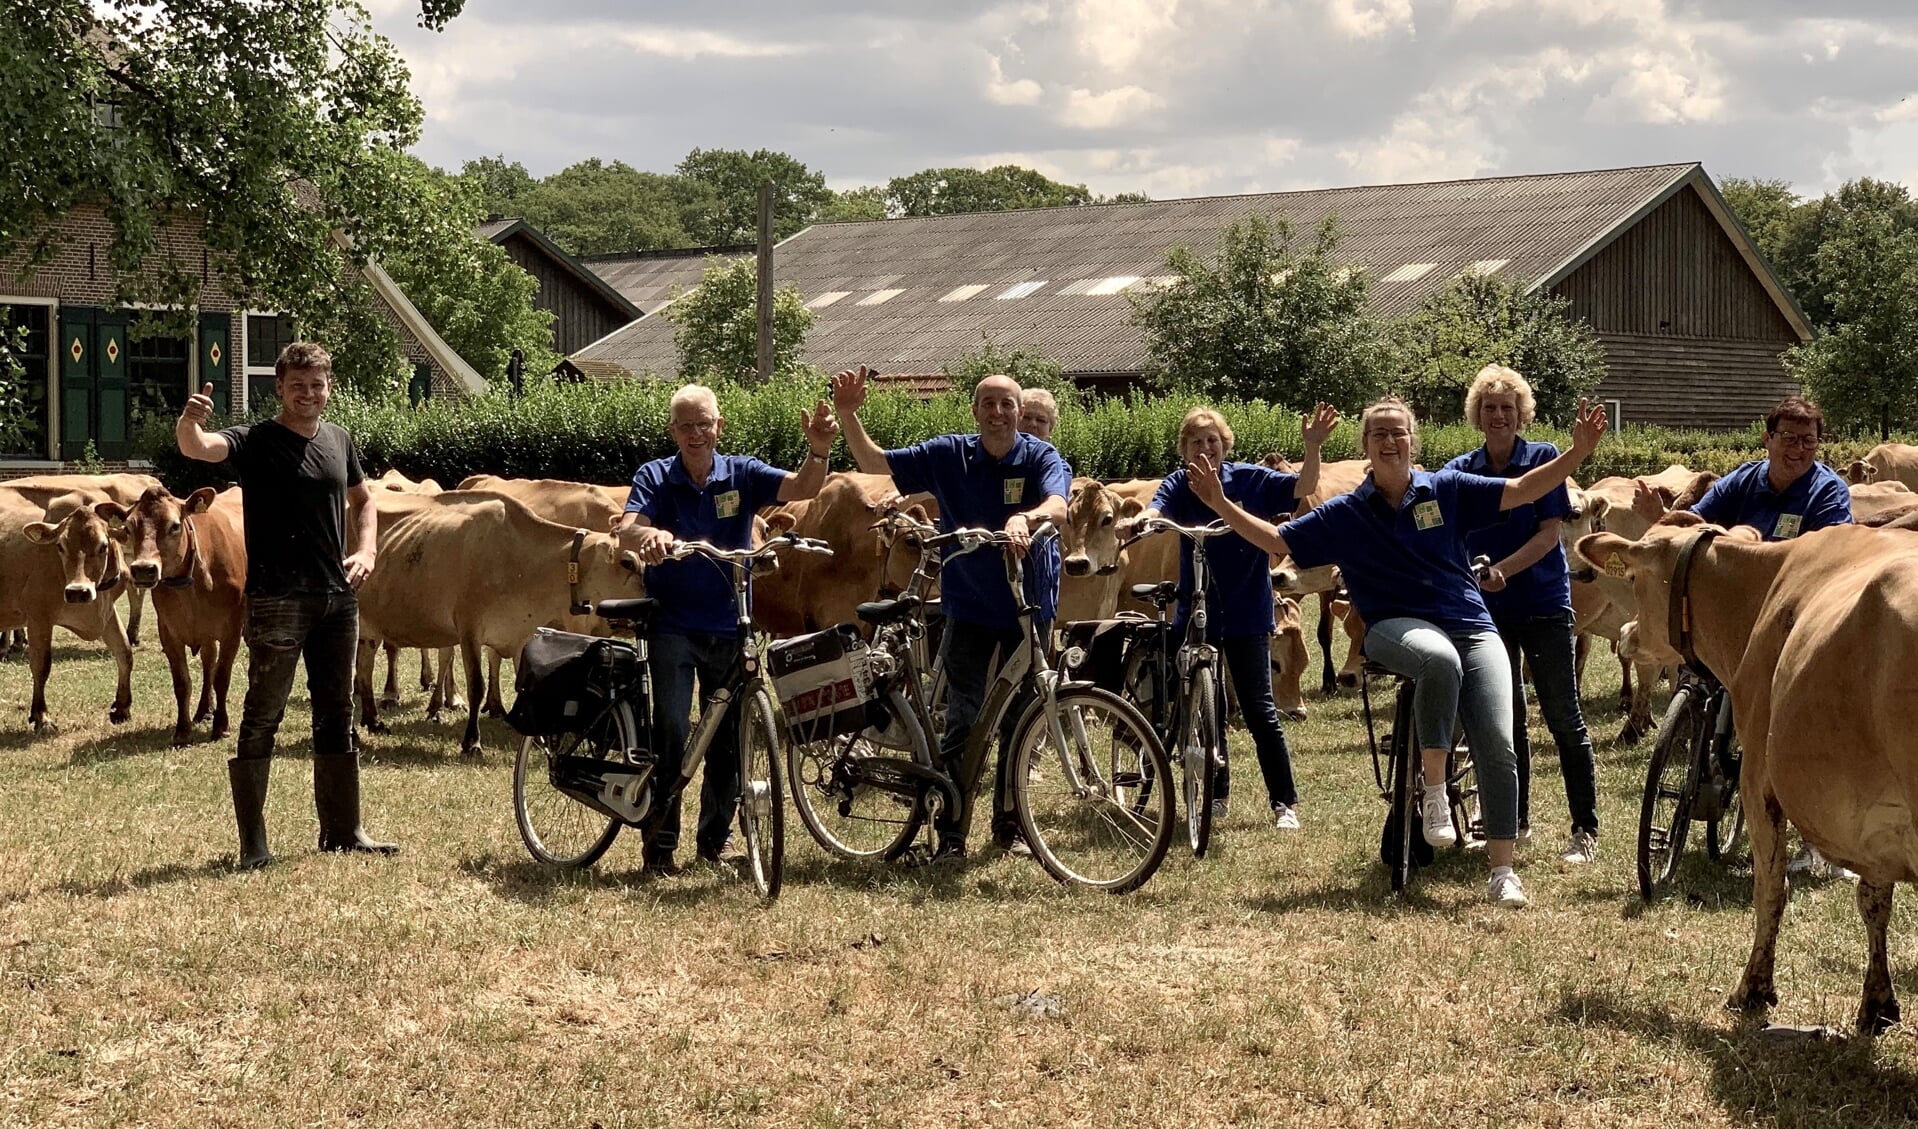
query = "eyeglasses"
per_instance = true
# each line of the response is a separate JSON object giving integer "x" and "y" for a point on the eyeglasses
{"x": 1792, "y": 442}
{"x": 1395, "y": 436}
{"x": 696, "y": 426}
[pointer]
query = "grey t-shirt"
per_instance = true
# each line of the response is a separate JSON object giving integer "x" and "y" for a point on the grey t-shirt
{"x": 293, "y": 495}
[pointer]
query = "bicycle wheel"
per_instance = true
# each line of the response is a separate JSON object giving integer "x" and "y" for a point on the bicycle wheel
{"x": 1722, "y": 833}
{"x": 557, "y": 829}
{"x": 1107, "y": 831}
{"x": 762, "y": 797}
{"x": 1461, "y": 778}
{"x": 1144, "y": 686}
{"x": 1671, "y": 783}
{"x": 1199, "y": 758}
{"x": 851, "y": 820}
{"x": 1403, "y": 820}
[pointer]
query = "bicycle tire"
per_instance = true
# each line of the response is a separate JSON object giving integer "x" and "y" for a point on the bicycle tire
{"x": 762, "y": 799}
{"x": 1199, "y": 759}
{"x": 1723, "y": 833}
{"x": 1671, "y": 785}
{"x": 558, "y": 830}
{"x": 1461, "y": 791}
{"x": 850, "y": 822}
{"x": 1110, "y": 833}
{"x": 1405, "y": 793}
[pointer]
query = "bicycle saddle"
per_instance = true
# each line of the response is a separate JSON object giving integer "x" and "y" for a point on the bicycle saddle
{"x": 886, "y": 611}
{"x": 1161, "y": 593}
{"x": 639, "y": 609}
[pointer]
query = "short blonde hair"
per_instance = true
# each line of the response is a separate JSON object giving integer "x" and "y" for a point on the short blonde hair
{"x": 1204, "y": 417}
{"x": 1039, "y": 398}
{"x": 1389, "y": 404}
{"x": 1498, "y": 380}
{"x": 693, "y": 394}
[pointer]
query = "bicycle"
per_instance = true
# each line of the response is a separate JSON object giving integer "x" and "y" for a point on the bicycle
{"x": 1190, "y": 717}
{"x": 1080, "y": 765}
{"x": 600, "y": 772}
{"x": 1693, "y": 775}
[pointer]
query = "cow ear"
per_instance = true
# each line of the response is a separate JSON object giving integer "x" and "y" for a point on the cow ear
{"x": 201, "y": 500}
{"x": 1607, "y": 552}
{"x": 1598, "y": 505}
{"x": 41, "y": 532}
{"x": 780, "y": 523}
{"x": 1130, "y": 507}
{"x": 114, "y": 514}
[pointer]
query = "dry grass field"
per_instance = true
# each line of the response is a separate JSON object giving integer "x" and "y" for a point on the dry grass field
{"x": 1276, "y": 983}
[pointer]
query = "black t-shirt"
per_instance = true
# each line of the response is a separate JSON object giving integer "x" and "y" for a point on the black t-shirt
{"x": 293, "y": 496}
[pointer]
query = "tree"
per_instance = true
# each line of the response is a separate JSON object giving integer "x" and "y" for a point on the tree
{"x": 501, "y": 186}
{"x": 267, "y": 128}
{"x": 942, "y": 192}
{"x": 594, "y": 208}
{"x": 734, "y": 176}
{"x": 1265, "y": 320}
{"x": 716, "y": 325}
{"x": 1124, "y": 198}
{"x": 1030, "y": 369}
{"x": 1478, "y": 320}
{"x": 1863, "y": 371}
{"x": 855, "y": 205}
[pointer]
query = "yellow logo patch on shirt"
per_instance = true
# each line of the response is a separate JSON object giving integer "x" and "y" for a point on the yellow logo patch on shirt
{"x": 1015, "y": 491}
{"x": 1788, "y": 526}
{"x": 1427, "y": 516}
{"x": 727, "y": 504}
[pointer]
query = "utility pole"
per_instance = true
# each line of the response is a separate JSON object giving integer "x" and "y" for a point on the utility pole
{"x": 765, "y": 281}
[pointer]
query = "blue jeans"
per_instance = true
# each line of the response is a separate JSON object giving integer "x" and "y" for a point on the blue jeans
{"x": 325, "y": 628}
{"x": 1248, "y": 658}
{"x": 966, "y": 655}
{"x": 675, "y": 661}
{"x": 1465, "y": 677}
{"x": 1547, "y": 641}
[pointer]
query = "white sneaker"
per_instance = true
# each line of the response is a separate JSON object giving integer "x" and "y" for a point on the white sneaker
{"x": 1287, "y": 816}
{"x": 1524, "y": 833}
{"x": 1439, "y": 831}
{"x": 1504, "y": 889}
{"x": 1583, "y": 848}
{"x": 1815, "y": 866}
{"x": 1219, "y": 809}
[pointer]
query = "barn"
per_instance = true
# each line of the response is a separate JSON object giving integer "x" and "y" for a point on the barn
{"x": 585, "y": 307}
{"x": 1692, "y": 319}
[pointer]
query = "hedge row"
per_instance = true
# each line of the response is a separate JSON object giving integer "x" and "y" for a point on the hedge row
{"x": 601, "y": 432}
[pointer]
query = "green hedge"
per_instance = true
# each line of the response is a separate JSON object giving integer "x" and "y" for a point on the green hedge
{"x": 601, "y": 432}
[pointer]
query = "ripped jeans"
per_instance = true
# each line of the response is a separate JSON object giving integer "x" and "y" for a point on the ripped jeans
{"x": 325, "y": 628}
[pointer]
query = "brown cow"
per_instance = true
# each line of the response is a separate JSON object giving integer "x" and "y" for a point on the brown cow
{"x": 476, "y": 569}
{"x": 1887, "y": 462}
{"x": 1828, "y": 739}
{"x": 1873, "y": 499}
{"x": 398, "y": 483}
{"x": 42, "y": 489}
{"x": 1089, "y": 586}
{"x": 192, "y": 556}
{"x": 810, "y": 592}
{"x": 61, "y": 567}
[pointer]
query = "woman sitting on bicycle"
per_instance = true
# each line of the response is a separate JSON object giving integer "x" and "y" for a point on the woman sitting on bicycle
{"x": 1399, "y": 541}
{"x": 1241, "y": 590}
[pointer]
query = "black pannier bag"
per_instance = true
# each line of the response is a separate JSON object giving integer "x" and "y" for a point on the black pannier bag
{"x": 824, "y": 684}
{"x": 1102, "y": 646}
{"x": 563, "y": 679}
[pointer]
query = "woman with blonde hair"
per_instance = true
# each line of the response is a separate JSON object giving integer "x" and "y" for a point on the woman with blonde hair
{"x": 1529, "y": 594}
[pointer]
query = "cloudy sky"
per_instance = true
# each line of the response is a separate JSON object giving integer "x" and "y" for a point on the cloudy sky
{"x": 1180, "y": 97}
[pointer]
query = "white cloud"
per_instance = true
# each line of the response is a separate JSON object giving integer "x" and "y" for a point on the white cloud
{"x": 1010, "y": 92}
{"x": 1368, "y": 19}
{"x": 1661, "y": 88}
{"x": 687, "y": 44}
{"x": 1116, "y": 33}
{"x": 1108, "y": 109}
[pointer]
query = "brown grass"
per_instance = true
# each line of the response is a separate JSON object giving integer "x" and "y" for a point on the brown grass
{"x": 1276, "y": 983}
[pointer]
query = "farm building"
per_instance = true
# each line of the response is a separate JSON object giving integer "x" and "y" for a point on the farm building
{"x": 1692, "y": 319}
{"x": 650, "y": 279}
{"x": 87, "y": 380}
{"x": 585, "y": 307}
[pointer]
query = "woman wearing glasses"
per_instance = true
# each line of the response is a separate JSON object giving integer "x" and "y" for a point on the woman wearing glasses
{"x": 1399, "y": 542}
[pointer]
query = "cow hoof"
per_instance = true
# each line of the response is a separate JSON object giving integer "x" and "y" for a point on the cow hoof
{"x": 493, "y": 711}
{"x": 1295, "y": 715}
{"x": 44, "y": 727}
{"x": 1631, "y": 734}
{"x": 182, "y": 738}
{"x": 472, "y": 753}
{"x": 1752, "y": 997}
{"x": 391, "y": 703}
{"x": 119, "y": 714}
{"x": 1348, "y": 681}
{"x": 1875, "y": 1017}
{"x": 376, "y": 726}
{"x": 219, "y": 728}
{"x": 202, "y": 714}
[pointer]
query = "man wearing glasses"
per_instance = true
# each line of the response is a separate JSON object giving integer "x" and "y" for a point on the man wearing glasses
{"x": 1784, "y": 495}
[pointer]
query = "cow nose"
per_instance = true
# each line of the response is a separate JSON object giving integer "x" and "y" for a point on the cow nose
{"x": 145, "y": 573}
{"x": 79, "y": 593}
{"x": 1078, "y": 566}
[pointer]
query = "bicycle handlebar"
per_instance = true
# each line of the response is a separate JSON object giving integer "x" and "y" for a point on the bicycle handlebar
{"x": 683, "y": 549}
{"x": 1157, "y": 525}
{"x": 969, "y": 540}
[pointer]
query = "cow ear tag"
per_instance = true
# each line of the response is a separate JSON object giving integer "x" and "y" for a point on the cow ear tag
{"x": 1615, "y": 566}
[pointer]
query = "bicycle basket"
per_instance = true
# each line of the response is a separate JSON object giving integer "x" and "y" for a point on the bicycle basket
{"x": 562, "y": 679}
{"x": 824, "y": 683}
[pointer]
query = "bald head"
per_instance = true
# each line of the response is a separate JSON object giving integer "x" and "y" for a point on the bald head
{"x": 995, "y": 408}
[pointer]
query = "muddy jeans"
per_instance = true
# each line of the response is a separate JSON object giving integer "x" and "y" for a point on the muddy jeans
{"x": 325, "y": 628}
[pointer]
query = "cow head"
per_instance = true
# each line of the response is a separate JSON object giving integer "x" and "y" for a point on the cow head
{"x": 1860, "y": 472}
{"x": 1091, "y": 537}
{"x": 1288, "y": 579}
{"x": 1586, "y": 515}
{"x": 160, "y": 541}
{"x": 899, "y": 545}
{"x": 84, "y": 535}
{"x": 606, "y": 571}
{"x": 1648, "y": 564}
{"x": 1694, "y": 491}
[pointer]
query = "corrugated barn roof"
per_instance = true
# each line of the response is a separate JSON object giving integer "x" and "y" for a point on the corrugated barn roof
{"x": 913, "y": 295}
{"x": 647, "y": 278}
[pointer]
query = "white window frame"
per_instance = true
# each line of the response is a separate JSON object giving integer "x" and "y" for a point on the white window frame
{"x": 1615, "y": 414}
{"x": 247, "y": 365}
{"x": 52, "y": 376}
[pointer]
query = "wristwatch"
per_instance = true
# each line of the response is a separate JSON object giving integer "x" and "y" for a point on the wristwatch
{"x": 826, "y": 458}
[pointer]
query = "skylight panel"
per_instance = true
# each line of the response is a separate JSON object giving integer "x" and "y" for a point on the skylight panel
{"x": 1077, "y": 287}
{"x": 827, "y": 299}
{"x": 1410, "y": 272}
{"x": 961, "y": 293}
{"x": 1112, "y": 285}
{"x": 1021, "y": 290}
{"x": 880, "y": 297}
{"x": 1488, "y": 266}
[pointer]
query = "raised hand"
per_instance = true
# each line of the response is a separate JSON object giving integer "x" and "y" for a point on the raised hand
{"x": 1590, "y": 427}
{"x": 849, "y": 389}
{"x": 820, "y": 427}
{"x": 199, "y": 406}
{"x": 1317, "y": 428}
{"x": 1202, "y": 474}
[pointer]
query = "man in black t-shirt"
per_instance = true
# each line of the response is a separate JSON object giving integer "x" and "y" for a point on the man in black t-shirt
{"x": 298, "y": 476}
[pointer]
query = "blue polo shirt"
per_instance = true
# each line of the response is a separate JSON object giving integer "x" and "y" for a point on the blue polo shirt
{"x": 1240, "y": 595}
{"x": 696, "y": 595}
{"x": 1744, "y": 497}
{"x": 1546, "y": 587}
{"x": 977, "y": 491}
{"x": 1408, "y": 562}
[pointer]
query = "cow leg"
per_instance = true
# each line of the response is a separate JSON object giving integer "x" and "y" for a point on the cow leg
{"x": 229, "y": 649}
{"x": 1638, "y": 720}
{"x": 176, "y": 665}
{"x": 209, "y": 654}
{"x": 494, "y": 707}
{"x": 1879, "y": 1008}
{"x": 363, "y": 687}
{"x": 427, "y": 678}
{"x": 475, "y": 697}
{"x": 1328, "y": 677}
{"x": 1765, "y": 821}
{"x": 390, "y": 696}
{"x": 446, "y": 695}
{"x": 122, "y": 652}
{"x": 12, "y": 643}
{"x": 40, "y": 662}
{"x": 1581, "y": 652}
{"x": 136, "y": 605}
{"x": 1624, "y": 681}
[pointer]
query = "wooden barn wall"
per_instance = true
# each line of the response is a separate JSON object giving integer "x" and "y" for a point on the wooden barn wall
{"x": 1692, "y": 381}
{"x": 580, "y": 317}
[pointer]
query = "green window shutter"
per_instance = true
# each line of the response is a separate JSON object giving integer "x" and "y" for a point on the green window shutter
{"x": 77, "y": 348}
{"x": 110, "y": 365}
{"x": 216, "y": 360}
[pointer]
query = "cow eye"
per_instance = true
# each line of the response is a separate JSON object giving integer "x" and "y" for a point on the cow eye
{"x": 174, "y": 528}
